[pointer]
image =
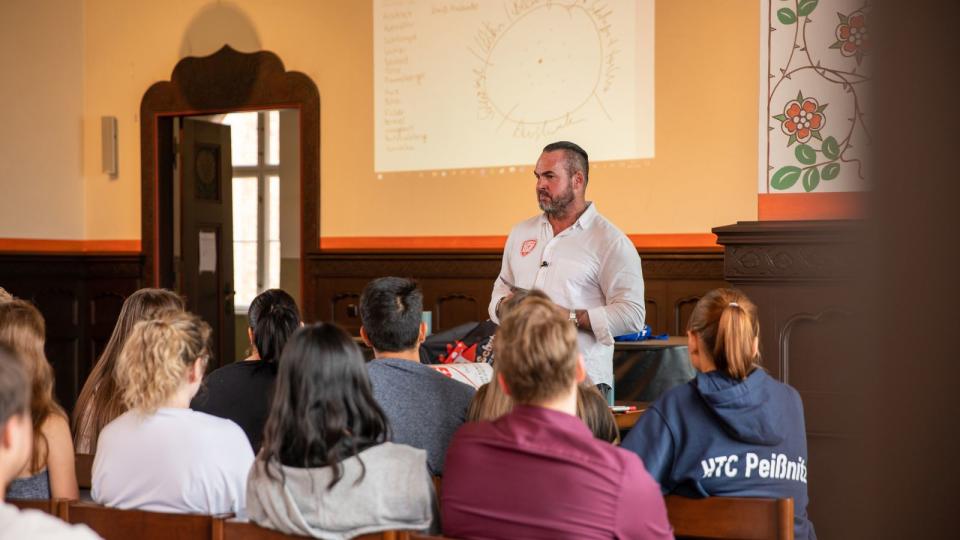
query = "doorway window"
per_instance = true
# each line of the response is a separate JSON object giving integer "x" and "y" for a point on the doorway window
{"x": 255, "y": 142}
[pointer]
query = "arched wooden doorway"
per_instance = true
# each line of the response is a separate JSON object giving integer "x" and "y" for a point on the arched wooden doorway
{"x": 226, "y": 81}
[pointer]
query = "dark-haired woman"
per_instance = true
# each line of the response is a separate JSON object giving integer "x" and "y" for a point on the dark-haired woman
{"x": 733, "y": 430}
{"x": 241, "y": 391}
{"x": 325, "y": 469}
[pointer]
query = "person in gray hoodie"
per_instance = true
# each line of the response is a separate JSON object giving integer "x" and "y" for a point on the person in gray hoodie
{"x": 326, "y": 469}
{"x": 733, "y": 430}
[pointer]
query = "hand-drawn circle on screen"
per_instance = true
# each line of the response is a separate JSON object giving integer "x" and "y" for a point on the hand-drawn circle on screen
{"x": 545, "y": 65}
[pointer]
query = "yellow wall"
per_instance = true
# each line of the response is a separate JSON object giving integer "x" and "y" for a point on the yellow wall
{"x": 41, "y": 91}
{"x": 703, "y": 175}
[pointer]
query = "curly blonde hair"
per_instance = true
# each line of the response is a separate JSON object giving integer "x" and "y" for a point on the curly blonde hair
{"x": 156, "y": 357}
{"x": 100, "y": 400}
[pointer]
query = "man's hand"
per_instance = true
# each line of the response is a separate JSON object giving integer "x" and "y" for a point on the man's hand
{"x": 583, "y": 320}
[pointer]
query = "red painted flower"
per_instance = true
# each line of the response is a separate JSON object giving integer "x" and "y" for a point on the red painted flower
{"x": 853, "y": 39}
{"x": 802, "y": 119}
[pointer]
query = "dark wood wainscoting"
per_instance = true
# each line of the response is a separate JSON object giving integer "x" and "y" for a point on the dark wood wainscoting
{"x": 800, "y": 275}
{"x": 457, "y": 284}
{"x": 80, "y": 297}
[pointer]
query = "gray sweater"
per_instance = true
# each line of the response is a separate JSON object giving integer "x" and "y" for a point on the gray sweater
{"x": 396, "y": 493}
{"x": 423, "y": 407}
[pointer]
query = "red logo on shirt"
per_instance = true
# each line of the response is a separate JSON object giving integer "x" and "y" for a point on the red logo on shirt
{"x": 527, "y": 247}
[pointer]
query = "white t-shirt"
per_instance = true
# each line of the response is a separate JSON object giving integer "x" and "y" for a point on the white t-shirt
{"x": 590, "y": 265}
{"x": 174, "y": 460}
{"x": 16, "y": 524}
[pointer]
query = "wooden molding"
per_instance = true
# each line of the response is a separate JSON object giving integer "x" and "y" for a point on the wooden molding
{"x": 783, "y": 251}
{"x": 705, "y": 242}
{"x": 43, "y": 245}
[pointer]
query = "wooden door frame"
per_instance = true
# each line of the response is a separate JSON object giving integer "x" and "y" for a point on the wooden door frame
{"x": 226, "y": 81}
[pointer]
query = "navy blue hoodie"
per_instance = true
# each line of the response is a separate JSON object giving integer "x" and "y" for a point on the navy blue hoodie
{"x": 719, "y": 436}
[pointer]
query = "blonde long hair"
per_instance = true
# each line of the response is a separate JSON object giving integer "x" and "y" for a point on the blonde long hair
{"x": 23, "y": 331}
{"x": 156, "y": 356}
{"x": 100, "y": 400}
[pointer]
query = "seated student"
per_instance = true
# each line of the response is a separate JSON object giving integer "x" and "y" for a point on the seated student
{"x": 241, "y": 391}
{"x": 538, "y": 472}
{"x": 160, "y": 455}
{"x": 100, "y": 401}
{"x": 733, "y": 430}
{"x": 326, "y": 469}
{"x": 16, "y": 441}
{"x": 424, "y": 408}
{"x": 51, "y": 472}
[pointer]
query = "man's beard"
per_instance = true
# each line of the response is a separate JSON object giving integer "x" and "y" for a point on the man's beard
{"x": 556, "y": 206}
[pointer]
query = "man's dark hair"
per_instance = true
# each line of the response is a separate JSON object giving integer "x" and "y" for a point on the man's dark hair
{"x": 575, "y": 157}
{"x": 390, "y": 311}
{"x": 14, "y": 387}
{"x": 273, "y": 316}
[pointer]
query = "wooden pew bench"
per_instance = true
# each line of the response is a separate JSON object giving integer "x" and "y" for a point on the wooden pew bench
{"x": 736, "y": 518}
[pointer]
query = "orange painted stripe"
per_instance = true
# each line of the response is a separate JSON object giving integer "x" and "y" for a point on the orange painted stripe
{"x": 333, "y": 243}
{"x": 40, "y": 245}
{"x": 650, "y": 241}
{"x": 808, "y": 206}
{"x": 673, "y": 241}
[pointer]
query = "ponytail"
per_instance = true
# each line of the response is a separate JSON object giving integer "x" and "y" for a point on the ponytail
{"x": 273, "y": 317}
{"x": 726, "y": 321}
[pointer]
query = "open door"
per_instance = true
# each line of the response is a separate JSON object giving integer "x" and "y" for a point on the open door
{"x": 206, "y": 237}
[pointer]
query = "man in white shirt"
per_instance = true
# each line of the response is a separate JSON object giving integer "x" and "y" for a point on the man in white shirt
{"x": 580, "y": 259}
{"x": 16, "y": 441}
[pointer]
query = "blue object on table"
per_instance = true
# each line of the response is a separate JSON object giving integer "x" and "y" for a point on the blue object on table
{"x": 642, "y": 335}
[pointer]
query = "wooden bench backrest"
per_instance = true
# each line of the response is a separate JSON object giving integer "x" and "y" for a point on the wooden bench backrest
{"x": 50, "y": 506}
{"x": 731, "y": 518}
{"x": 241, "y": 530}
{"x": 84, "y": 466}
{"x": 115, "y": 524}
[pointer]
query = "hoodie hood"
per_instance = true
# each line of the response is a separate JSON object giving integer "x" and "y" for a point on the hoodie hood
{"x": 743, "y": 407}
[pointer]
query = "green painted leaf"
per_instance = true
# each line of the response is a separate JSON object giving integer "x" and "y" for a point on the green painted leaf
{"x": 786, "y": 16}
{"x": 799, "y": 95}
{"x": 780, "y": 117}
{"x": 806, "y": 7}
{"x": 816, "y": 134}
{"x": 785, "y": 177}
{"x": 806, "y": 154}
{"x": 843, "y": 18}
{"x": 822, "y": 107}
{"x": 836, "y": 45}
{"x": 811, "y": 179}
{"x": 831, "y": 149}
{"x": 830, "y": 171}
{"x": 792, "y": 139}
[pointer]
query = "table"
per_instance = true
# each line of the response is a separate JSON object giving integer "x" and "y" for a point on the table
{"x": 644, "y": 370}
{"x": 626, "y": 420}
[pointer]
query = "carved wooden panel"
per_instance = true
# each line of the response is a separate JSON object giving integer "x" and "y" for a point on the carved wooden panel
{"x": 799, "y": 274}
{"x": 457, "y": 285}
{"x": 80, "y": 297}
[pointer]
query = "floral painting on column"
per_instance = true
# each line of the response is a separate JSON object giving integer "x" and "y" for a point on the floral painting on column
{"x": 815, "y": 127}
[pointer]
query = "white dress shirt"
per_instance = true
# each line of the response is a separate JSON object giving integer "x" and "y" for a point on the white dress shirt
{"x": 590, "y": 265}
{"x": 174, "y": 460}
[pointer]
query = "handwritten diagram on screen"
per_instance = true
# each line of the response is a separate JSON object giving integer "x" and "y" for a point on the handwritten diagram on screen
{"x": 486, "y": 83}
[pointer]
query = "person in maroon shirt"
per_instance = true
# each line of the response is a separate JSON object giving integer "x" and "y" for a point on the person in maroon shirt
{"x": 538, "y": 472}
